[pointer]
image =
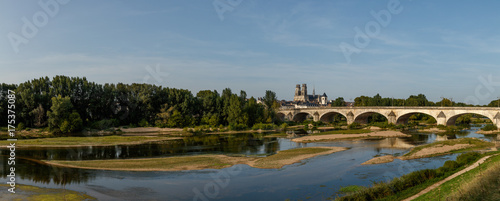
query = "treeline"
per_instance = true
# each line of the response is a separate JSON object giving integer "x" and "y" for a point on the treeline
{"x": 58, "y": 102}
{"x": 413, "y": 100}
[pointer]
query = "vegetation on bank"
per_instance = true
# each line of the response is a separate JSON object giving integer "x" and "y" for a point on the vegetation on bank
{"x": 489, "y": 127}
{"x": 33, "y": 193}
{"x": 198, "y": 162}
{"x": 87, "y": 141}
{"x": 69, "y": 104}
{"x": 473, "y": 144}
{"x": 410, "y": 184}
{"x": 480, "y": 183}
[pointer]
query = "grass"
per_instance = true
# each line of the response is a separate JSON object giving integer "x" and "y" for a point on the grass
{"x": 86, "y": 141}
{"x": 33, "y": 193}
{"x": 409, "y": 184}
{"x": 356, "y": 131}
{"x": 351, "y": 189}
{"x": 476, "y": 144}
{"x": 198, "y": 162}
{"x": 277, "y": 135}
{"x": 480, "y": 183}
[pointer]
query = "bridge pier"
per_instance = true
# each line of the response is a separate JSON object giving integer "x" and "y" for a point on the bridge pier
{"x": 392, "y": 120}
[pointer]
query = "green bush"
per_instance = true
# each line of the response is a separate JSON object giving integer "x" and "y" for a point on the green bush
{"x": 263, "y": 126}
{"x": 441, "y": 127}
{"x": 431, "y": 121}
{"x": 237, "y": 127}
{"x": 20, "y": 126}
{"x": 105, "y": 124}
{"x": 447, "y": 167}
{"x": 489, "y": 127}
{"x": 284, "y": 126}
{"x": 451, "y": 165}
{"x": 143, "y": 123}
{"x": 354, "y": 125}
{"x": 467, "y": 158}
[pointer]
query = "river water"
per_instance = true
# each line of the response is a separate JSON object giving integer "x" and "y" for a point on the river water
{"x": 314, "y": 179}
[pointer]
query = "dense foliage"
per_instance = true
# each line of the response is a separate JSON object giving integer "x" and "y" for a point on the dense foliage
{"x": 418, "y": 100}
{"x": 66, "y": 104}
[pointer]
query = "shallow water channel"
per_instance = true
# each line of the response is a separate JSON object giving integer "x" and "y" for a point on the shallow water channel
{"x": 314, "y": 179}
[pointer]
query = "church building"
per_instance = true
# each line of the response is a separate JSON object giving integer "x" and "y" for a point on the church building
{"x": 302, "y": 96}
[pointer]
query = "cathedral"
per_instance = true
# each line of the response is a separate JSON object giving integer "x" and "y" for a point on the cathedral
{"x": 301, "y": 96}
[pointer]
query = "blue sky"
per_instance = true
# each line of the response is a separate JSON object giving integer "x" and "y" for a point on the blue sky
{"x": 438, "y": 48}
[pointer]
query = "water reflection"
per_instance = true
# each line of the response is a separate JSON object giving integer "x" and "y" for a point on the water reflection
{"x": 37, "y": 172}
{"x": 247, "y": 144}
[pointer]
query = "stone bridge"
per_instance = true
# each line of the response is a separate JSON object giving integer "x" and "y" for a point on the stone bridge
{"x": 395, "y": 115}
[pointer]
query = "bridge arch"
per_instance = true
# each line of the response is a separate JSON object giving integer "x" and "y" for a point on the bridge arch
{"x": 403, "y": 119}
{"x": 328, "y": 117}
{"x": 452, "y": 119}
{"x": 281, "y": 116}
{"x": 301, "y": 116}
{"x": 362, "y": 118}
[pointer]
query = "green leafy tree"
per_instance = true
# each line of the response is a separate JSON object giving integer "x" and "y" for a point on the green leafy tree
{"x": 339, "y": 102}
{"x": 62, "y": 118}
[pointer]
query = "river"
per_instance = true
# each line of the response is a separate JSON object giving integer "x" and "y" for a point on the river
{"x": 314, "y": 179}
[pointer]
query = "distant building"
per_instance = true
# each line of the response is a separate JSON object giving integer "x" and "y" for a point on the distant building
{"x": 301, "y": 96}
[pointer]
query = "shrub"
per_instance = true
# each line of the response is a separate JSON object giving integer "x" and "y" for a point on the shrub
{"x": 467, "y": 158}
{"x": 431, "y": 121}
{"x": 263, "y": 126}
{"x": 451, "y": 165}
{"x": 20, "y": 126}
{"x": 237, "y": 127}
{"x": 105, "y": 124}
{"x": 447, "y": 167}
{"x": 143, "y": 123}
{"x": 354, "y": 125}
{"x": 441, "y": 127}
{"x": 284, "y": 126}
{"x": 489, "y": 127}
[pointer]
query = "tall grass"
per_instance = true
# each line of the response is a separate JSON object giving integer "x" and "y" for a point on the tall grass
{"x": 485, "y": 186}
{"x": 411, "y": 182}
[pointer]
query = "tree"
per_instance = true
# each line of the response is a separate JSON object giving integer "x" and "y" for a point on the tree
{"x": 235, "y": 111}
{"x": 39, "y": 116}
{"x": 269, "y": 99}
{"x": 339, "y": 102}
{"x": 494, "y": 103}
{"x": 62, "y": 118}
{"x": 445, "y": 103}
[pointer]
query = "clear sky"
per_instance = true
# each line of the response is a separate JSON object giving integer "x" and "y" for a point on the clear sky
{"x": 438, "y": 48}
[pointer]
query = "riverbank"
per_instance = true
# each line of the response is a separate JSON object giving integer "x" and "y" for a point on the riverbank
{"x": 200, "y": 162}
{"x": 333, "y": 137}
{"x": 477, "y": 182}
{"x": 86, "y": 141}
{"x": 25, "y": 192}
